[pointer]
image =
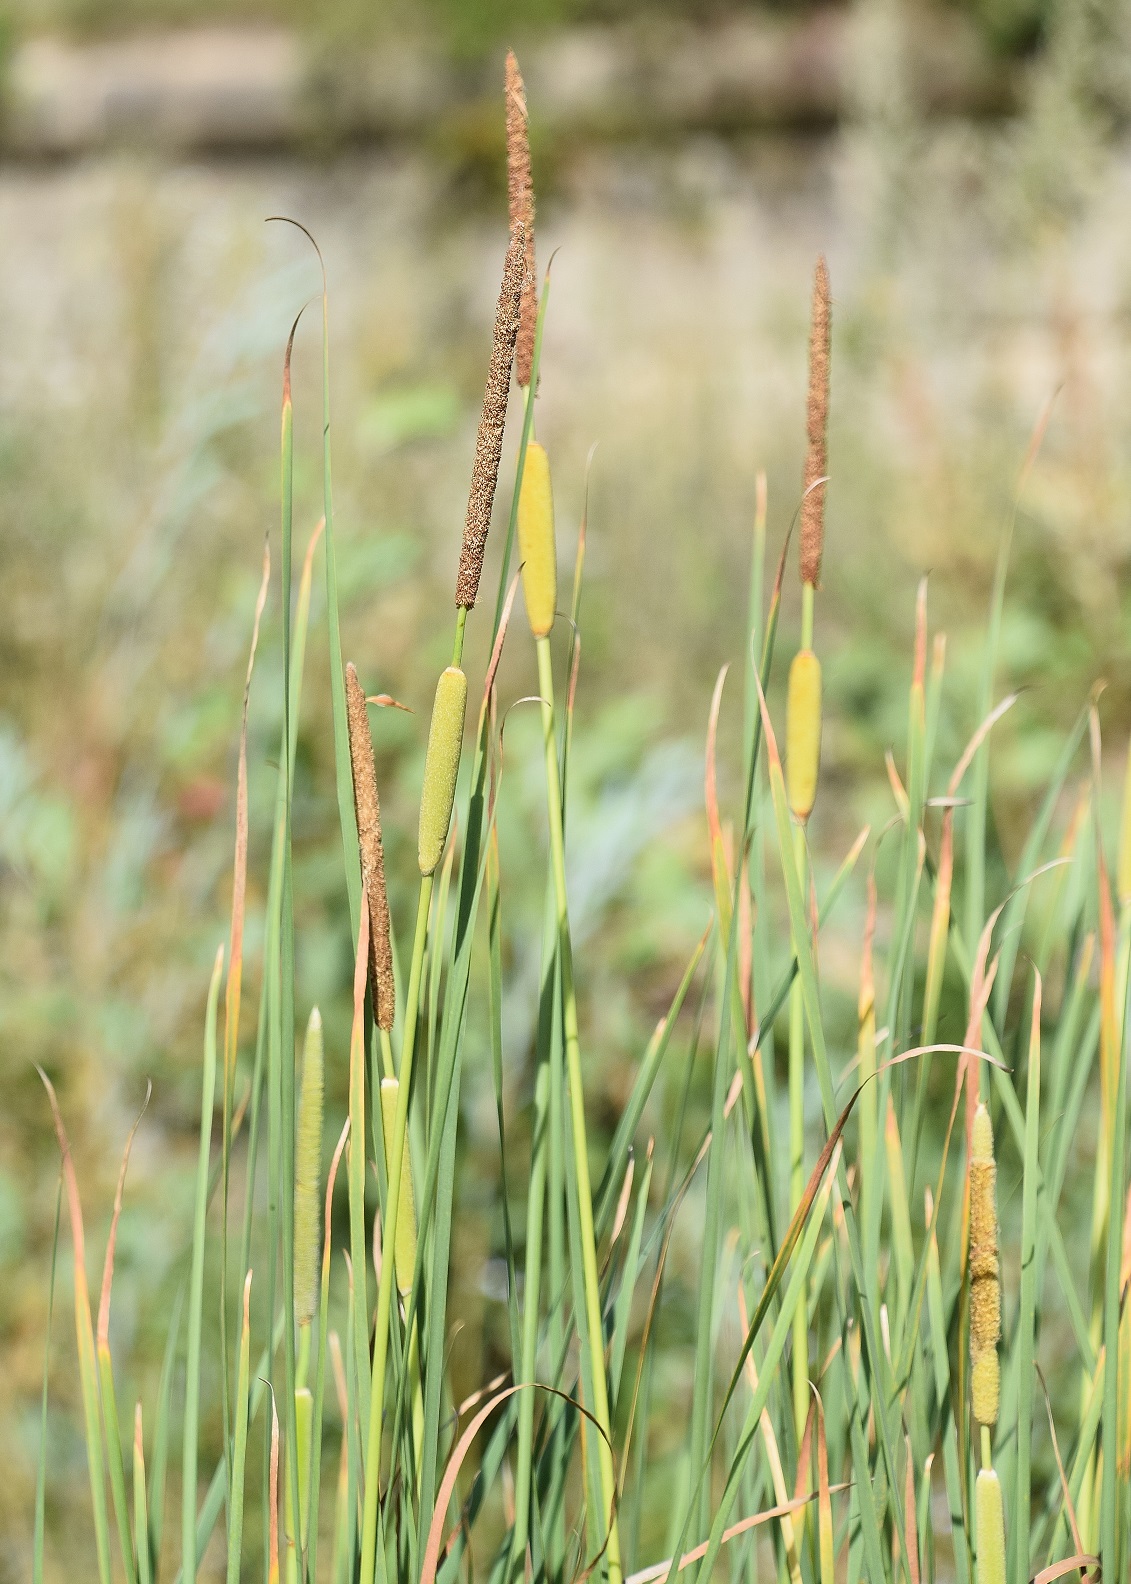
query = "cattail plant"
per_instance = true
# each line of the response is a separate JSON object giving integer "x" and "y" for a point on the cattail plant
{"x": 803, "y": 746}
{"x": 520, "y": 203}
{"x": 985, "y": 1334}
{"x": 405, "y": 1252}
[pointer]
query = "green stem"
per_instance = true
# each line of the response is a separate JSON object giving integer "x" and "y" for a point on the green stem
{"x": 797, "y": 1159}
{"x": 577, "y": 1117}
{"x": 389, "y": 1235}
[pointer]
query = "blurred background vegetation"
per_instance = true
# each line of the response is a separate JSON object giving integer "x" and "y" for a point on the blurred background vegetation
{"x": 976, "y": 219}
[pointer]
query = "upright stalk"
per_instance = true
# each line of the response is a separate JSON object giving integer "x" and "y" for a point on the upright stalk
{"x": 577, "y": 1115}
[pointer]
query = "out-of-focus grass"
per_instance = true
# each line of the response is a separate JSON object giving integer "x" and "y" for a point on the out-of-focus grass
{"x": 144, "y": 311}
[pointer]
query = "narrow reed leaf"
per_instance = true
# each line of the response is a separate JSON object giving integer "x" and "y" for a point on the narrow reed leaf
{"x": 537, "y": 550}
{"x": 141, "y": 1514}
{"x": 1032, "y": 1205}
{"x": 190, "y": 1445}
{"x": 84, "y": 1333}
{"x": 308, "y": 1173}
{"x": 41, "y": 1462}
{"x": 441, "y": 767}
{"x": 367, "y": 807}
{"x": 489, "y": 441}
{"x": 239, "y": 1447}
{"x": 105, "y": 1365}
{"x": 404, "y": 1253}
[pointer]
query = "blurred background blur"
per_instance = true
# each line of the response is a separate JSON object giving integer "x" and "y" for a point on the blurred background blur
{"x": 965, "y": 166}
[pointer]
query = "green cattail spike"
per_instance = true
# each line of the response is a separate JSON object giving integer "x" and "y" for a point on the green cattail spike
{"x": 404, "y": 1254}
{"x": 308, "y": 1161}
{"x": 441, "y": 766}
{"x": 803, "y": 733}
{"x": 536, "y": 547}
{"x": 990, "y": 1528}
{"x": 985, "y": 1277}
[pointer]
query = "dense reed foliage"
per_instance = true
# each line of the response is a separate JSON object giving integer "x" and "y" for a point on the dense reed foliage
{"x": 874, "y": 1358}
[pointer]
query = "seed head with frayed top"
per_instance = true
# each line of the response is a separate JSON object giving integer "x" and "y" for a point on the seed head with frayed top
{"x": 520, "y": 203}
{"x": 816, "y": 424}
{"x": 985, "y": 1278}
{"x": 367, "y": 808}
{"x": 489, "y": 441}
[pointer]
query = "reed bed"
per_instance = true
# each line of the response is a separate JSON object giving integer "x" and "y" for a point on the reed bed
{"x": 883, "y": 1381}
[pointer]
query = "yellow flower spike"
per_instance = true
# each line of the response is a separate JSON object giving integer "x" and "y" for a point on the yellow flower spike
{"x": 441, "y": 766}
{"x": 536, "y": 548}
{"x": 803, "y": 733}
{"x": 990, "y": 1528}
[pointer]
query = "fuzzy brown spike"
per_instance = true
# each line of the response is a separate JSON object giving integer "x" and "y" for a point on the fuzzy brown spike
{"x": 520, "y": 202}
{"x": 489, "y": 441}
{"x": 816, "y": 424}
{"x": 368, "y": 810}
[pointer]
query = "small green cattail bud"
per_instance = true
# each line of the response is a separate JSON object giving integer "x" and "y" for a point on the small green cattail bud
{"x": 536, "y": 547}
{"x": 985, "y": 1278}
{"x": 803, "y": 733}
{"x": 308, "y": 1162}
{"x": 404, "y": 1254}
{"x": 990, "y": 1528}
{"x": 441, "y": 766}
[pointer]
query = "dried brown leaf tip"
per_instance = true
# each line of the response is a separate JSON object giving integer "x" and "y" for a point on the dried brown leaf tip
{"x": 520, "y": 203}
{"x": 817, "y": 424}
{"x": 489, "y": 441}
{"x": 368, "y": 811}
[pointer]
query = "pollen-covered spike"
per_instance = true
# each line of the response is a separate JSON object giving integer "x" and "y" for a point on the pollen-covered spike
{"x": 803, "y": 733}
{"x": 441, "y": 767}
{"x": 536, "y": 546}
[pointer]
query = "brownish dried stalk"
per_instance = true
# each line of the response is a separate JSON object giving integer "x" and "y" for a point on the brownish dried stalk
{"x": 489, "y": 441}
{"x": 816, "y": 423}
{"x": 520, "y": 201}
{"x": 368, "y": 810}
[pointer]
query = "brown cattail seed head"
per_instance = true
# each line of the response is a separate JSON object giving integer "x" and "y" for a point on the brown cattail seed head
{"x": 368, "y": 811}
{"x": 985, "y": 1280}
{"x": 520, "y": 202}
{"x": 489, "y": 441}
{"x": 816, "y": 424}
{"x": 803, "y": 733}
